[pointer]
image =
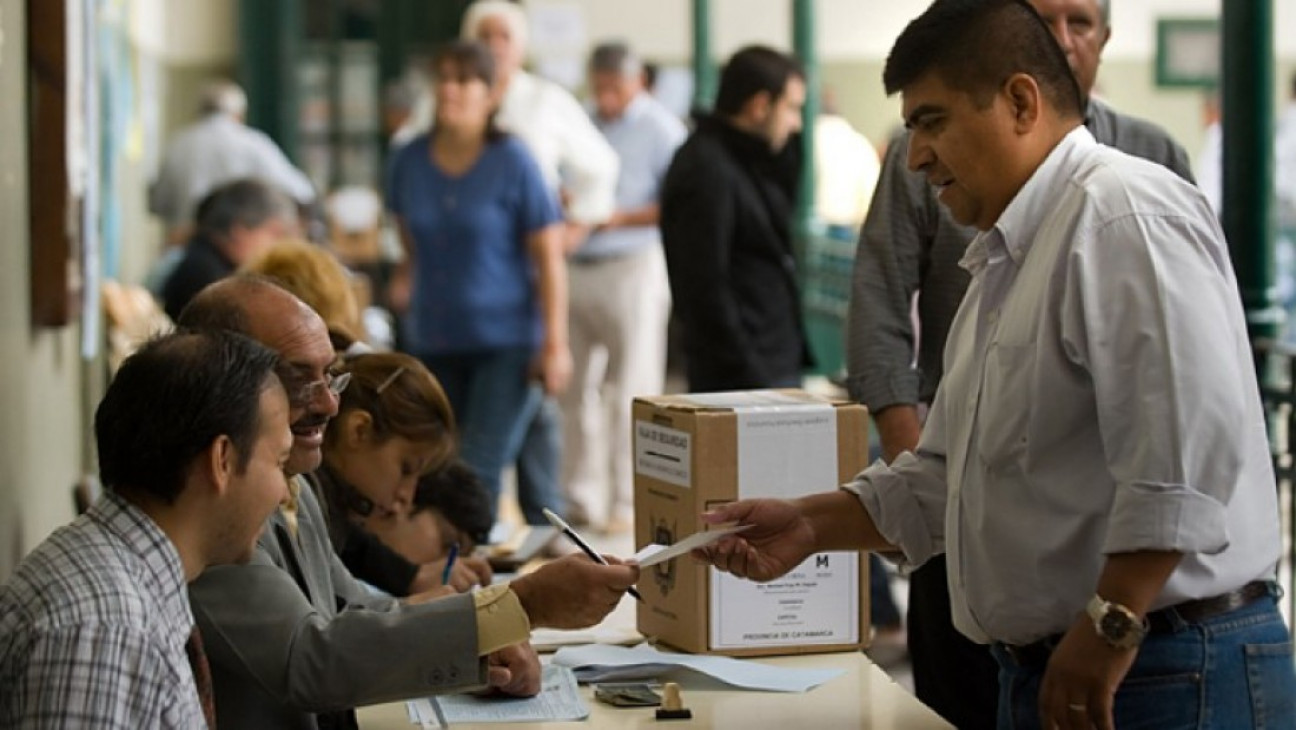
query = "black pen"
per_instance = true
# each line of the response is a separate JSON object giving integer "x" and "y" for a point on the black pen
{"x": 566, "y": 529}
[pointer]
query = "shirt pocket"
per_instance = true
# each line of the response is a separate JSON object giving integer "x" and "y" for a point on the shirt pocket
{"x": 1004, "y": 410}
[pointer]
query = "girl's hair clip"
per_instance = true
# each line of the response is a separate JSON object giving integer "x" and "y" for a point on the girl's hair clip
{"x": 390, "y": 379}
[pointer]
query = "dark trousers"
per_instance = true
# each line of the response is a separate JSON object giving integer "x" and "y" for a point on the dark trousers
{"x": 953, "y": 675}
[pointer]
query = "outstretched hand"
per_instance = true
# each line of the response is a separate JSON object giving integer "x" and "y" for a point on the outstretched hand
{"x": 574, "y": 592}
{"x": 780, "y": 539}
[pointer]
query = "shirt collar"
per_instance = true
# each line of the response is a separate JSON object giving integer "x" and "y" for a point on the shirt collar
{"x": 163, "y": 573}
{"x": 1014, "y": 232}
{"x": 633, "y": 110}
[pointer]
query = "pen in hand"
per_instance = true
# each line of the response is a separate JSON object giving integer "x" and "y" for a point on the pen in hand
{"x": 566, "y": 529}
{"x": 450, "y": 561}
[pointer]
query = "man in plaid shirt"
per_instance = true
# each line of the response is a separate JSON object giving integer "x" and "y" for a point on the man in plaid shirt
{"x": 95, "y": 625}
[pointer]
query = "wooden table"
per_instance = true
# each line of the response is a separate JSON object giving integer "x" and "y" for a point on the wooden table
{"x": 864, "y": 698}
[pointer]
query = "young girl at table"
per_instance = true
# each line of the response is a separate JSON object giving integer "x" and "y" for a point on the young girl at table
{"x": 393, "y": 425}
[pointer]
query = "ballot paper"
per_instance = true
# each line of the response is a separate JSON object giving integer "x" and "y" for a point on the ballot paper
{"x": 654, "y": 553}
{"x": 548, "y": 640}
{"x": 600, "y": 663}
{"x": 559, "y": 701}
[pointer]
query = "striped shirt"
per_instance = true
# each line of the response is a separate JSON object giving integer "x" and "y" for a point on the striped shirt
{"x": 910, "y": 245}
{"x": 93, "y": 626}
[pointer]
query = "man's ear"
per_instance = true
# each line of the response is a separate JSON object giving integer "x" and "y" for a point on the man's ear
{"x": 757, "y": 108}
{"x": 1024, "y": 99}
{"x": 221, "y": 461}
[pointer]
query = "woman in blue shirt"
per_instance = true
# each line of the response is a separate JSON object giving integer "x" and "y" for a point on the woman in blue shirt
{"x": 483, "y": 285}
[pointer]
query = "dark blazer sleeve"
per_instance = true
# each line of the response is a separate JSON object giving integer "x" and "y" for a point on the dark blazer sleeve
{"x": 697, "y": 226}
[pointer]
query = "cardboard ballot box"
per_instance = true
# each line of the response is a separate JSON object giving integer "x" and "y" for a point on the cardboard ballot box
{"x": 693, "y": 452}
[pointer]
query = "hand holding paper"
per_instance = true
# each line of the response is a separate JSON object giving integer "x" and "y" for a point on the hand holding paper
{"x": 654, "y": 553}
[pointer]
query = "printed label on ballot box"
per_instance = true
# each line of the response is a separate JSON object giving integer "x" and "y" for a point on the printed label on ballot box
{"x": 663, "y": 453}
{"x": 816, "y": 603}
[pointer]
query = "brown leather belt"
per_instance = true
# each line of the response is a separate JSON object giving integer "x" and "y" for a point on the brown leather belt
{"x": 1162, "y": 621}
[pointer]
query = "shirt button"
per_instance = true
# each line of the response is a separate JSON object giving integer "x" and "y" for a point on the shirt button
{"x": 436, "y": 677}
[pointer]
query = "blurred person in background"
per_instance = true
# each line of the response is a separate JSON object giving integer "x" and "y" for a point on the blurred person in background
{"x": 726, "y": 223}
{"x": 212, "y": 151}
{"x": 620, "y": 297}
{"x": 483, "y": 285}
{"x": 235, "y": 222}
{"x": 578, "y": 165}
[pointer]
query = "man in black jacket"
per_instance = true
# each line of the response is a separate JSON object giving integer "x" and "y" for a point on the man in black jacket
{"x": 726, "y": 217}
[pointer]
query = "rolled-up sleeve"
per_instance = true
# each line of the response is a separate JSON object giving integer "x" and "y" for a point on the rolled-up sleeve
{"x": 907, "y": 498}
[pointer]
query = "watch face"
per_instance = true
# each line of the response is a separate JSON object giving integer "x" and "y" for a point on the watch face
{"x": 1116, "y": 625}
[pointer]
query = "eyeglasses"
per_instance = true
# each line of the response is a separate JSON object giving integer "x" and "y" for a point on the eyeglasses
{"x": 335, "y": 384}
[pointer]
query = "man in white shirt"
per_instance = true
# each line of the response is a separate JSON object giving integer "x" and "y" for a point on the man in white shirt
{"x": 1095, "y": 462}
{"x": 619, "y": 296}
{"x": 216, "y": 149}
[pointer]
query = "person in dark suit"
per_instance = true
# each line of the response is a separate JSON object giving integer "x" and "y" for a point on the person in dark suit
{"x": 726, "y": 217}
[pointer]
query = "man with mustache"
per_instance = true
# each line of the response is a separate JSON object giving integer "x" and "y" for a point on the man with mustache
{"x": 294, "y": 640}
{"x": 1095, "y": 462}
{"x": 911, "y": 245}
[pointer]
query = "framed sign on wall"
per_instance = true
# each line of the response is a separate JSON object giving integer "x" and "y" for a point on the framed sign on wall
{"x": 1188, "y": 52}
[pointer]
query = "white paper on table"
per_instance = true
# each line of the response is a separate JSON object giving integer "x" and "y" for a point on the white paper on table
{"x": 559, "y": 700}
{"x": 742, "y": 673}
{"x": 654, "y": 553}
{"x": 545, "y": 640}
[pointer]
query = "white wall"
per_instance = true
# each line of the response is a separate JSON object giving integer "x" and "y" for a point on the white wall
{"x": 40, "y": 374}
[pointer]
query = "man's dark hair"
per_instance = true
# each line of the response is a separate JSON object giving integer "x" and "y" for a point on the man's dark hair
{"x": 248, "y": 202}
{"x": 615, "y": 58}
{"x": 457, "y": 492}
{"x": 171, "y": 399}
{"x": 749, "y": 72}
{"x": 976, "y": 45}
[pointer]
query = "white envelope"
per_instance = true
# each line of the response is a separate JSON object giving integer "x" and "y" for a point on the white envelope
{"x": 654, "y": 553}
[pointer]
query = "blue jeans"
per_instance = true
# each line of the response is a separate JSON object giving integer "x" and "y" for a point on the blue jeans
{"x": 1234, "y": 670}
{"x": 539, "y": 464}
{"x": 493, "y": 401}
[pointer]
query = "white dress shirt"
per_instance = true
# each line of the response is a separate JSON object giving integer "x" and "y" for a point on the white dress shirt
{"x": 1099, "y": 398}
{"x": 573, "y": 156}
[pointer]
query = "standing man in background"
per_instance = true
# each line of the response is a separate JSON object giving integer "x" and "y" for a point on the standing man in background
{"x": 726, "y": 221}
{"x": 214, "y": 150}
{"x": 910, "y": 245}
{"x": 619, "y": 297}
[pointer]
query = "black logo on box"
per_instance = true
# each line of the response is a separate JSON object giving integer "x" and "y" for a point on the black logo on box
{"x": 663, "y": 573}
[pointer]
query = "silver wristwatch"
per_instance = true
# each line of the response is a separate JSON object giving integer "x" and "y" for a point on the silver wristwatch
{"x": 1116, "y": 624}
